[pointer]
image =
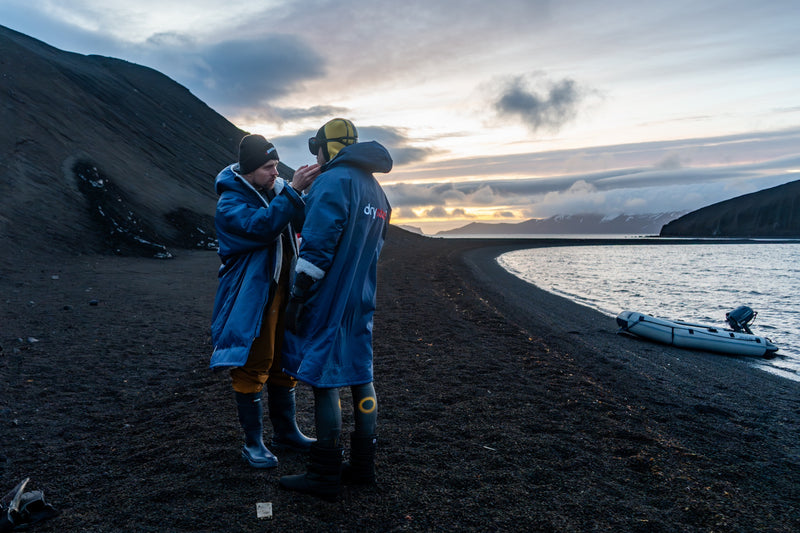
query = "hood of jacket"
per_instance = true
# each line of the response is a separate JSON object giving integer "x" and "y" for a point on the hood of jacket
{"x": 370, "y": 156}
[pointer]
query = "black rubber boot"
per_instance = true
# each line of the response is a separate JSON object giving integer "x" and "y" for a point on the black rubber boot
{"x": 360, "y": 470}
{"x": 286, "y": 434}
{"x": 323, "y": 477}
{"x": 250, "y": 416}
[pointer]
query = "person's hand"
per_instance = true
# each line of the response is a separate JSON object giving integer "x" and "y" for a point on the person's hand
{"x": 298, "y": 295}
{"x": 304, "y": 177}
{"x": 294, "y": 314}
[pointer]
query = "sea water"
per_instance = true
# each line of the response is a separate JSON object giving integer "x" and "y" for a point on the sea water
{"x": 691, "y": 282}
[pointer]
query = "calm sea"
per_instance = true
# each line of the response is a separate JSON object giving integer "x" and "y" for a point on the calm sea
{"x": 691, "y": 282}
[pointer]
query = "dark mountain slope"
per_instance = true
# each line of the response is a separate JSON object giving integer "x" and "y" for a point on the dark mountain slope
{"x": 99, "y": 154}
{"x": 773, "y": 212}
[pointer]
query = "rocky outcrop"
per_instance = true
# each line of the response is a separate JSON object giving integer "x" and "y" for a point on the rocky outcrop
{"x": 773, "y": 212}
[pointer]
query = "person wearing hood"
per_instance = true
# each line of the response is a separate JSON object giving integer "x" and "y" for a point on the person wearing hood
{"x": 256, "y": 219}
{"x": 328, "y": 342}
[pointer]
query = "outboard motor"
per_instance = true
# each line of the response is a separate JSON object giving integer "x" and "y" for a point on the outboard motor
{"x": 740, "y": 318}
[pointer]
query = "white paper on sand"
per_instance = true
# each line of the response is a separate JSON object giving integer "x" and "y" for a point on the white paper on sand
{"x": 264, "y": 510}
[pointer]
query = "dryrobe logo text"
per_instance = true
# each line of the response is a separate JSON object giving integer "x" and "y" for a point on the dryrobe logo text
{"x": 374, "y": 212}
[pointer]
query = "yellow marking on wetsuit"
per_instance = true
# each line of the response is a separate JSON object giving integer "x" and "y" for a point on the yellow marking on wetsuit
{"x": 367, "y": 405}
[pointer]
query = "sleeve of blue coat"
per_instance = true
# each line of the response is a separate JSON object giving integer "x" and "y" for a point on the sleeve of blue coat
{"x": 249, "y": 227}
{"x": 327, "y": 213}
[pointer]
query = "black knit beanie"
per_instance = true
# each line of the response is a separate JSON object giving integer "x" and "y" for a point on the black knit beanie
{"x": 254, "y": 151}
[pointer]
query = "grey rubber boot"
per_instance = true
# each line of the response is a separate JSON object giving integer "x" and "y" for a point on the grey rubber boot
{"x": 286, "y": 434}
{"x": 250, "y": 417}
{"x": 323, "y": 476}
{"x": 360, "y": 470}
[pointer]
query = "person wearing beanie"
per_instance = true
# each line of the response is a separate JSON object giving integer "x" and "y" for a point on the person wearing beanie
{"x": 328, "y": 342}
{"x": 256, "y": 219}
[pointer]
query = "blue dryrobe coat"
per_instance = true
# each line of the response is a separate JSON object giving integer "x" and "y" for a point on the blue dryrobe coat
{"x": 347, "y": 216}
{"x": 248, "y": 229}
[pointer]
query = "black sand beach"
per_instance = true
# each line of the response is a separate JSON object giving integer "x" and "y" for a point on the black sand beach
{"x": 502, "y": 408}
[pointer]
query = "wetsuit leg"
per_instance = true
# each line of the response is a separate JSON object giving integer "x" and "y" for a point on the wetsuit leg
{"x": 327, "y": 416}
{"x": 365, "y": 409}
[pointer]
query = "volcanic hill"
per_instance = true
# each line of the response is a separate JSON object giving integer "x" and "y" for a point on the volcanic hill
{"x": 99, "y": 155}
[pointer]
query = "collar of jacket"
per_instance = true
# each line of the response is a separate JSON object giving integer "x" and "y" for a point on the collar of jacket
{"x": 277, "y": 188}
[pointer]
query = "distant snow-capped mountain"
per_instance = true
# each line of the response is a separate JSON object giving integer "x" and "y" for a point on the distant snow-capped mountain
{"x": 572, "y": 224}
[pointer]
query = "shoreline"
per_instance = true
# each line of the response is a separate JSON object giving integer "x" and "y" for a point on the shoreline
{"x": 784, "y": 364}
{"x": 568, "y": 317}
{"x": 501, "y": 407}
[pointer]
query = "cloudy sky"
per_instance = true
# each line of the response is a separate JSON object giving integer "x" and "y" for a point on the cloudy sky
{"x": 494, "y": 111}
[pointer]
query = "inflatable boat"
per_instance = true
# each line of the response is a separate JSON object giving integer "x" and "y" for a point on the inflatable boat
{"x": 736, "y": 341}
